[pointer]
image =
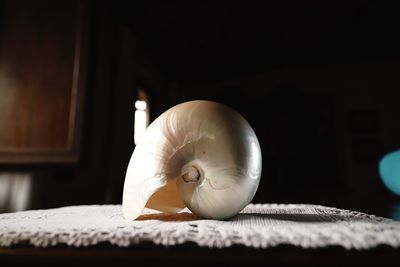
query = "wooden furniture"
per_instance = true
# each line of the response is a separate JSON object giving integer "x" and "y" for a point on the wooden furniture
{"x": 42, "y": 65}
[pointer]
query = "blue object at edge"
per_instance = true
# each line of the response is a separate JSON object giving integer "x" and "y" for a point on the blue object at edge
{"x": 389, "y": 170}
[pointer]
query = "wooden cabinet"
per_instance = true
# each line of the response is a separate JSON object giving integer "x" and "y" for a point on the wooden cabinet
{"x": 42, "y": 52}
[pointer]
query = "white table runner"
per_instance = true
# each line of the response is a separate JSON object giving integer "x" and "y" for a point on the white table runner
{"x": 258, "y": 225}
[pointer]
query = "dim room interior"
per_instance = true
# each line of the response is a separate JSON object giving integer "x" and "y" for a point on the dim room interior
{"x": 317, "y": 81}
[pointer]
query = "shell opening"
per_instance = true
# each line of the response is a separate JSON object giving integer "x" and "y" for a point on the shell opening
{"x": 191, "y": 174}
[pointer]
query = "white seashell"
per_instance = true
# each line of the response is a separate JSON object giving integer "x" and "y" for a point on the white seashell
{"x": 199, "y": 154}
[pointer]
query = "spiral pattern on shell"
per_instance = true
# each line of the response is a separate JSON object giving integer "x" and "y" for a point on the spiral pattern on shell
{"x": 200, "y": 154}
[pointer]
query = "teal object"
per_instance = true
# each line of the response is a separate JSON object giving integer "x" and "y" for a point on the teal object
{"x": 389, "y": 170}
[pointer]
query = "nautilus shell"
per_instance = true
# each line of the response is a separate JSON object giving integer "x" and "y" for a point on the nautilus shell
{"x": 199, "y": 154}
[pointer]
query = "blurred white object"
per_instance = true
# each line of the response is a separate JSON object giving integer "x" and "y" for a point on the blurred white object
{"x": 141, "y": 119}
{"x": 142, "y": 115}
{"x": 15, "y": 191}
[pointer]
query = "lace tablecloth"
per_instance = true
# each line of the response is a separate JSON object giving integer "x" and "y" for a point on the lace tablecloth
{"x": 258, "y": 225}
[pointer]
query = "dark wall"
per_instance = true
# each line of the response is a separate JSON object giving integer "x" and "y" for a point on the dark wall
{"x": 322, "y": 129}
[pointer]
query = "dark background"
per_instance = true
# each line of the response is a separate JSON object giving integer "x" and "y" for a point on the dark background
{"x": 317, "y": 80}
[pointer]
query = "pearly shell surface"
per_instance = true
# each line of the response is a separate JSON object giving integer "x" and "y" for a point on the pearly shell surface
{"x": 206, "y": 141}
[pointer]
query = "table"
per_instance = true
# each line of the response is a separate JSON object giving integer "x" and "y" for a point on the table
{"x": 262, "y": 234}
